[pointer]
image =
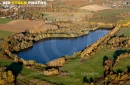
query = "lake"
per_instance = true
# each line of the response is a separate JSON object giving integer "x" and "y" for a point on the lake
{"x": 47, "y": 50}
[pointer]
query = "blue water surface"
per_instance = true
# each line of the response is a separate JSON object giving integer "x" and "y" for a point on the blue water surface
{"x": 47, "y": 50}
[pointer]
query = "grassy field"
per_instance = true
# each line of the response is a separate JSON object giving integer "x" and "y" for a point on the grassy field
{"x": 109, "y": 15}
{"x": 4, "y": 62}
{"x": 122, "y": 65}
{"x": 125, "y": 31}
{"x": 91, "y": 68}
{"x": 1, "y": 42}
{"x": 59, "y": 15}
{"x": 113, "y": 12}
{"x": 77, "y": 71}
{"x": 4, "y": 20}
{"x": 44, "y": 14}
{"x": 5, "y": 33}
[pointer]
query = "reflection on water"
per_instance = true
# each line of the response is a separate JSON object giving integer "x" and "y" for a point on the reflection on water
{"x": 47, "y": 50}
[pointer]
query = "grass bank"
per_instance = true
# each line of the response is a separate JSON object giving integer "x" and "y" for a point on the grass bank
{"x": 124, "y": 31}
{"x": 113, "y": 12}
{"x": 77, "y": 71}
{"x": 4, "y": 20}
{"x": 5, "y": 33}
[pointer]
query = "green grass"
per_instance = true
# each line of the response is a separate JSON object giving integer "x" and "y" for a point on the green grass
{"x": 77, "y": 70}
{"x": 39, "y": 68}
{"x": 44, "y": 14}
{"x": 109, "y": 15}
{"x": 123, "y": 21}
{"x": 1, "y": 42}
{"x": 92, "y": 65}
{"x": 4, "y": 62}
{"x": 125, "y": 31}
{"x": 5, "y": 33}
{"x": 4, "y": 20}
{"x": 86, "y": 11}
{"x": 28, "y": 74}
{"x": 122, "y": 65}
{"x": 113, "y": 12}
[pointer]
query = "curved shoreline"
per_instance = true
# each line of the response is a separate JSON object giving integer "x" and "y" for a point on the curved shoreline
{"x": 40, "y": 37}
{"x": 88, "y": 50}
{"x": 66, "y": 36}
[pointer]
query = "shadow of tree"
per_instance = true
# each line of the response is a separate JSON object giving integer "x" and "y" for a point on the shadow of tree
{"x": 118, "y": 71}
{"x": 104, "y": 59}
{"x": 117, "y": 53}
{"x": 16, "y": 68}
{"x": 128, "y": 69}
{"x": 91, "y": 79}
{"x": 85, "y": 80}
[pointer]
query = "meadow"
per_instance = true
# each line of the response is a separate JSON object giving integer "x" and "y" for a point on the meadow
{"x": 4, "y": 20}
{"x": 77, "y": 71}
{"x": 113, "y": 12}
{"x": 5, "y": 33}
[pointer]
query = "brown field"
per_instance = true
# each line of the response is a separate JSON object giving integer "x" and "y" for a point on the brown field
{"x": 59, "y": 15}
{"x": 95, "y": 7}
{"x": 19, "y": 25}
{"x": 80, "y": 3}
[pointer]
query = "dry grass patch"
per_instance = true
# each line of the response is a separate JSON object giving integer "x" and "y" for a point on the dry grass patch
{"x": 19, "y": 25}
{"x": 95, "y": 7}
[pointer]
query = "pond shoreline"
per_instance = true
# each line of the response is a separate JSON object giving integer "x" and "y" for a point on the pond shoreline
{"x": 61, "y": 38}
{"x": 17, "y": 59}
{"x": 42, "y": 47}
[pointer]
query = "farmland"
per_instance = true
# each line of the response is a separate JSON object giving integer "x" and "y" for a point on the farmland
{"x": 64, "y": 15}
{"x": 95, "y": 7}
{"x": 104, "y": 63}
{"x": 19, "y": 25}
{"x": 4, "y": 34}
{"x": 113, "y": 12}
{"x": 77, "y": 71}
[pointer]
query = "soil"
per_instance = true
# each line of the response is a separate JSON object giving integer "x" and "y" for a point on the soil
{"x": 95, "y": 7}
{"x": 19, "y": 25}
{"x": 59, "y": 15}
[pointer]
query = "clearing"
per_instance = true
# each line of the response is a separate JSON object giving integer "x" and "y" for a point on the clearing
{"x": 5, "y": 33}
{"x": 19, "y": 25}
{"x": 64, "y": 15}
{"x": 95, "y": 7}
{"x": 4, "y": 20}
